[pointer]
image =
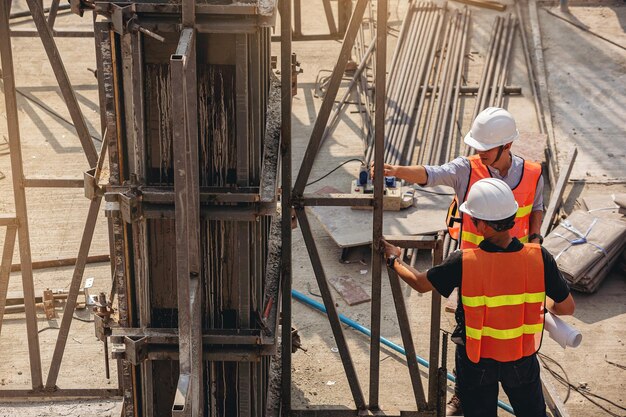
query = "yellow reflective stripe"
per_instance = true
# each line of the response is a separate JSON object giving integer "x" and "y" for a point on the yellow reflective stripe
{"x": 503, "y": 334}
{"x": 524, "y": 211}
{"x": 523, "y": 239}
{"x": 503, "y": 300}
{"x": 471, "y": 237}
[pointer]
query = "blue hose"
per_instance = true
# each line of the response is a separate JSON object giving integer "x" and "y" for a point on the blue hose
{"x": 355, "y": 325}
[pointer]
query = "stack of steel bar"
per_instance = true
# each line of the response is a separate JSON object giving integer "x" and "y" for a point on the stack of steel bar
{"x": 496, "y": 69}
{"x": 423, "y": 87}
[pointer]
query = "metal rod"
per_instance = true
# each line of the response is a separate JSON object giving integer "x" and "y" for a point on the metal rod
{"x": 413, "y": 134}
{"x": 427, "y": 134}
{"x": 55, "y": 33}
{"x": 395, "y": 105}
{"x": 77, "y": 277}
{"x": 500, "y": 62}
{"x": 26, "y": 13}
{"x": 52, "y": 15}
{"x": 285, "y": 201}
{"x": 64, "y": 83}
{"x": 530, "y": 69}
{"x": 377, "y": 232}
{"x": 57, "y": 263}
{"x": 19, "y": 195}
{"x": 505, "y": 69}
{"x": 409, "y": 93}
{"x": 341, "y": 107}
{"x": 329, "y": 98}
{"x": 453, "y": 57}
{"x": 407, "y": 339}
{"x": 422, "y": 74}
{"x": 435, "y": 325}
{"x": 333, "y": 316}
{"x": 7, "y": 256}
{"x": 241, "y": 108}
{"x": 451, "y": 145}
{"x": 54, "y": 183}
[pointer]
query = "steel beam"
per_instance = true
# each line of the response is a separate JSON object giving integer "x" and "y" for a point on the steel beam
{"x": 241, "y": 108}
{"x": 66, "y": 394}
{"x": 377, "y": 232}
{"x": 189, "y": 395}
{"x": 407, "y": 339}
{"x": 329, "y": 98}
{"x": 285, "y": 202}
{"x": 17, "y": 169}
{"x": 54, "y": 182}
{"x": 5, "y": 267}
{"x": 54, "y": 34}
{"x": 58, "y": 68}
{"x": 331, "y": 310}
{"x": 435, "y": 325}
{"x": 77, "y": 278}
{"x": 52, "y": 14}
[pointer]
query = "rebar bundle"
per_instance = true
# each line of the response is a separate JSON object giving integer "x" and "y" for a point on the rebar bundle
{"x": 423, "y": 87}
{"x": 496, "y": 69}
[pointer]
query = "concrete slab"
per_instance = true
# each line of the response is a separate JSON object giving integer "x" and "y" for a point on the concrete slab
{"x": 587, "y": 86}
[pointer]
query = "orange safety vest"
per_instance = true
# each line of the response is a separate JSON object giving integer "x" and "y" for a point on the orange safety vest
{"x": 524, "y": 193}
{"x": 504, "y": 310}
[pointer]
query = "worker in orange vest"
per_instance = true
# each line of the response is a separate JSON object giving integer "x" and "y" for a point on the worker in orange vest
{"x": 492, "y": 134}
{"x": 505, "y": 285}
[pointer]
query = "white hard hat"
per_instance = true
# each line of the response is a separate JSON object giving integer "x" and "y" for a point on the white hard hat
{"x": 492, "y": 127}
{"x": 490, "y": 199}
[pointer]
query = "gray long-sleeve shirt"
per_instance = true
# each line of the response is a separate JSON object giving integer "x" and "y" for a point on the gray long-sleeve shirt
{"x": 456, "y": 174}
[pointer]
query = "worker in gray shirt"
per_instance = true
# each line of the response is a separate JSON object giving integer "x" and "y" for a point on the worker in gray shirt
{"x": 492, "y": 134}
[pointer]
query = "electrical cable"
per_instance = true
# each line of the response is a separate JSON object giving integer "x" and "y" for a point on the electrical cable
{"x": 564, "y": 380}
{"x": 81, "y": 319}
{"x": 432, "y": 192}
{"x": 335, "y": 169}
{"x": 48, "y": 328}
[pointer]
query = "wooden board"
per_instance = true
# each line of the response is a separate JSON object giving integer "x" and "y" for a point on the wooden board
{"x": 349, "y": 289}
{"x": 349, "y": 227}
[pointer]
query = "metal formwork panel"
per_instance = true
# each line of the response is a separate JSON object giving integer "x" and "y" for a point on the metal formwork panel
{"x": 191, "y": 142}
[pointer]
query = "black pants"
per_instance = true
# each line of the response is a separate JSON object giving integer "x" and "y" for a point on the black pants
{"x": 477, "y": 385}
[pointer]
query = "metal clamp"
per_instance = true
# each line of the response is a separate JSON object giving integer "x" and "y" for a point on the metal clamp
{"x": 92, "y": 189}
{"x": 124, "y": 20}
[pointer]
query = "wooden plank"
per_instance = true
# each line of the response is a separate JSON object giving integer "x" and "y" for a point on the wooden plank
{"x": 349, "y": 289}
{"x": 557, "y": 195}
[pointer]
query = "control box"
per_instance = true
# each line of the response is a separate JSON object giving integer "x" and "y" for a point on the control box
{"x": 392, "y": 195}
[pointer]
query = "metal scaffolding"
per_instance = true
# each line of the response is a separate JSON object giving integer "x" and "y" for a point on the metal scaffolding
{"x": 197, "y": 129}
{"x": 17, "y": 226}
{"x": 432, "y": 403}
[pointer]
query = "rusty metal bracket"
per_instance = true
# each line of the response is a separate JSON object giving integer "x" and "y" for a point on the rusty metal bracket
{"x": 124, "y": 202}
{"x": 124, "y": 20}
{"x": 296, "y": 69}
{"x": 92, "y": 190}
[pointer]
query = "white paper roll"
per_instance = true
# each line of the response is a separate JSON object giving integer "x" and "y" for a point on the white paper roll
{"x": 561, "y": 332}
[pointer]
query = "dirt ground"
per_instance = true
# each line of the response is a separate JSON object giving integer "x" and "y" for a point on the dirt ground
{"x": 585, "y": 78}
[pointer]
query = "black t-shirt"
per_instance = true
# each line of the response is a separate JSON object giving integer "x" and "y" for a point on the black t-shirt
{"x": 448, "y": 275}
